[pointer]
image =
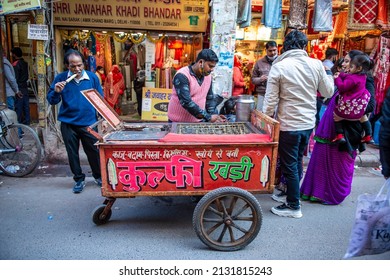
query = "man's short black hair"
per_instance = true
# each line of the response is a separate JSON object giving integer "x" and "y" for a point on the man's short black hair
{"x": 72, "y": 52}
{"x": 331, "y": 52}
{"x": 17, "y": 51}
{"x": 295, "y": 40}
{"x": 207, "y": 55}
{"x": 270, "y": 44}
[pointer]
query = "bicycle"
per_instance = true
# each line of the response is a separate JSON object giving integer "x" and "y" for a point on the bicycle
{"x": 20, "y": 148}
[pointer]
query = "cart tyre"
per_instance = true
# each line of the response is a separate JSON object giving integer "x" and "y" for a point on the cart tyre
{"x": 227, "y": 219}
{"x": 98, "y": 218}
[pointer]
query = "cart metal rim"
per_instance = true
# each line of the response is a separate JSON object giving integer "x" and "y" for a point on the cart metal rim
{"x": 228, "y": 208}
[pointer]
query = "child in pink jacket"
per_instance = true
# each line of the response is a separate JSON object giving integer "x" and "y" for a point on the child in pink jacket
{"x": 353, "y": 97}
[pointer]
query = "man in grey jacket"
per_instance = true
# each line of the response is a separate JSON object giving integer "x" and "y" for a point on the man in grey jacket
{"x": 11, "y": 86}
{"x": 261, "y": 71}
{"x": 290, "y": 97}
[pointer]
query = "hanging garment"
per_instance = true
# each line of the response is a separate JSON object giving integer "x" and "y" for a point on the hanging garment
{"x": 127, "y": 75}
{"x": 383, "y": 18}
{"x": 244, "y": 13}
{"x": 91, "y": 62}
{"x": 272, "y": 13}
{"x": 93, "y": 43}
{"x": 114, "y": 87}
{"x": 310, "y": 29}
{"x": 323, "y": 16}
{"x": 340, "y": 25}
{"x": 297, "y": 15}
{"x": 107, "y": 54}
{"x": 141, "y": 52}
{"x": 113, "y": 54}
{"x": 381, "y": 70}
{"x": 159, "y": 55}
{"x": 362, "y": 14}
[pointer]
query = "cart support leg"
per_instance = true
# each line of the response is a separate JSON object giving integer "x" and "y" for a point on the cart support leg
{"x": 108, "y": 202}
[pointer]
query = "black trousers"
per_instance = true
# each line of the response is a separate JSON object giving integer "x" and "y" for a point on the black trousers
{"x": 72, "y": 136}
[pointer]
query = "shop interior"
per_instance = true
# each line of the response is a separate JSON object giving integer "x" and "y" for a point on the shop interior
{"x": 155, "y": 56}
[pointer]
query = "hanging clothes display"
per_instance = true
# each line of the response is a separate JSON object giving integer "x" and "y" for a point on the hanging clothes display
{"x": 99, "y": 56}
{"x": 141, "y": 52}
{"x": 159, "y": 55}
{"x": 91, "y": 62}
{"x": 298, "y": 14}
{"x": 383, "y": 18}
{"x": 340, "y": 25}
{"x": 244, "y": 13}
{"x": 323, "y": 16}
{"x": 114, "y": 87}
{"x": 381, "y": 57}
{"x": 272, "y": 13}
{"x": 362, "y": 14}
{"x": 107, "y": 54}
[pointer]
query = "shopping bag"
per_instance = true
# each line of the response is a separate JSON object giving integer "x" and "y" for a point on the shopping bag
{"x": 371, "y": 231}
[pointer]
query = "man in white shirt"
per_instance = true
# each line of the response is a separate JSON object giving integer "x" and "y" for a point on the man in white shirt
{"x": 290, "y": 97}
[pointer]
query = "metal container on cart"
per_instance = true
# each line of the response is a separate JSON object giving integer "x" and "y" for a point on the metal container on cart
{"x": 226, "y": 163}
{"x": 245, "y": 104}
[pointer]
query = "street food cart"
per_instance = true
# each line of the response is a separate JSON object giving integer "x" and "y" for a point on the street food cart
{"x": 222, "y": 163}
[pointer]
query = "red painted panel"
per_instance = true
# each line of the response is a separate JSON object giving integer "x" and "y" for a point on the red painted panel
{"x": 182, "y": 169}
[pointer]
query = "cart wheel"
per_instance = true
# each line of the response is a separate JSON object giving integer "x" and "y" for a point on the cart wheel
{"x": 227, "y": 219}
{"x": 98, "y": 217}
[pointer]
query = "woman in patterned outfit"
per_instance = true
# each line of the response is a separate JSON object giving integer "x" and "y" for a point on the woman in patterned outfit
{"x": 329, "y": 175}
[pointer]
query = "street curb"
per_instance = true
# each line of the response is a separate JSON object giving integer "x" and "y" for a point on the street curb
{"x": 367, "y": 161}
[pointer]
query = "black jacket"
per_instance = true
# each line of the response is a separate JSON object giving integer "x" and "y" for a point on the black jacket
{"x": 21, "y": 72}
{"x": 370, "y": 86}
{"x": 384, "y": 136}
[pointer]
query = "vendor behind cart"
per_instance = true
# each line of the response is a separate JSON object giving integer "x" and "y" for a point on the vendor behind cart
{"x": 76, "y": 114}
{"x": 192, "y": 94}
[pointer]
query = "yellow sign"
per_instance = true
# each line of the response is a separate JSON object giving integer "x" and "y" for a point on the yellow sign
{"x": 16, "y": 6}
{"x": 161, "y": 15}
{"x": 155, "y": 104}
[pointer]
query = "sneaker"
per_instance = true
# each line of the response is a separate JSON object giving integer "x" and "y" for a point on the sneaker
{"x": 79, "y": 186}
{"x": 339, "y": 139}
{"x": 368, "y": 139}
{"x": 98, "y": 182}
{"x": 286, "y": 211}
{"x": 279, "y": 197}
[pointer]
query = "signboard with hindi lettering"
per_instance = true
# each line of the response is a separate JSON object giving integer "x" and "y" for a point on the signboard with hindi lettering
{"x": 38, "y": 32}
{"x": 16, "y": 6}
{"x": 155, "y": 168}
{"x": 155, "y": 104}
{"x": 162, "y": 15}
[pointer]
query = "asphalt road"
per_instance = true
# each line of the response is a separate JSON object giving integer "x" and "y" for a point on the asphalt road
{"x": 43, "y": 220}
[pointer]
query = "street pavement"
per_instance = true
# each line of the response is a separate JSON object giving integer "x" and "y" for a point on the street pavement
{"x": 43, "y": 220}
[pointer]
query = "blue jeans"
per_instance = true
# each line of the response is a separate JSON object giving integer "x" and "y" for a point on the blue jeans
{"x": 11, "y": 102}
{"x": 292, "y": 145}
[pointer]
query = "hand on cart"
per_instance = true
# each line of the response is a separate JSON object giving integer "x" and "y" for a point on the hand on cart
{"x": 218, "y": 118}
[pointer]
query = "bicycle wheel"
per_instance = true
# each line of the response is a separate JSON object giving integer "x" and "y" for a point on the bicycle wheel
{"x": 28, "y": 150}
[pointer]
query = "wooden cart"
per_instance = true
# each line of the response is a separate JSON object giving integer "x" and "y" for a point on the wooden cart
{"x": 224, "y": 164}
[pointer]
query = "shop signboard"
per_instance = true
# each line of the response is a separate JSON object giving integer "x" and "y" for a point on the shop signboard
{"x": 162, "y": 15}
{"x": 38, "y": 32}
{"x": 155, "y": 104}
{"x": 16, "y": 6}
